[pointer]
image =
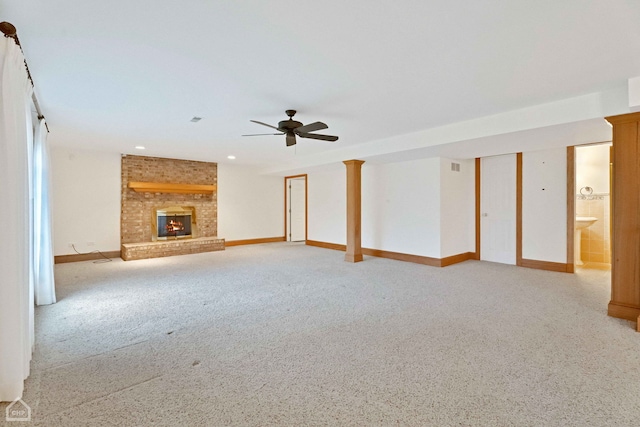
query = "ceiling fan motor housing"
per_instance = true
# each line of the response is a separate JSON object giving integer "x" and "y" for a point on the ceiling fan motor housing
{"x": 290, "y": 124}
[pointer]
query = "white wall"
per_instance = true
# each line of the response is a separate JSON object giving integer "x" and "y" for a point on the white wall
{"x": 250, "y": 206}
{"x": 401, "y": 207}
{"x": 544, "y": 205}
{"x": 327, "y": 206}
{"x": 86, "y": 200}
{"x": 457, "y": 207}
{"x": 592, "y": 168}
{"x": 421, "y": 207}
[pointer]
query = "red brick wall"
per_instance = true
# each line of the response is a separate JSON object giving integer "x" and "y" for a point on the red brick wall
{"x": 137, "y": 209}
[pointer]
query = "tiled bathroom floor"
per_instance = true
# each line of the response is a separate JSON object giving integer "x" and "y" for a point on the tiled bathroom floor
{"x": 595, "y": 266}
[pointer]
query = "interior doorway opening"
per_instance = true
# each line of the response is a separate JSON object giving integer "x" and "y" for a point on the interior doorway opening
{"x": 592, "y": 233}
{"x": 295, "y": 210}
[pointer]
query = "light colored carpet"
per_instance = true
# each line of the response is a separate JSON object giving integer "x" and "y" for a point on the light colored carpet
{"x": 286, "y": 334}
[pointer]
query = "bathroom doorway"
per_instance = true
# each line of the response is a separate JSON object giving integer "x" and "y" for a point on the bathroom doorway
{"x": 592, "y": 245}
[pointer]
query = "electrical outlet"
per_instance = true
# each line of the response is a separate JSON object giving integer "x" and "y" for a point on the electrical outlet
{"x": 71, "y": 244}
{"x": 91, "y": 243}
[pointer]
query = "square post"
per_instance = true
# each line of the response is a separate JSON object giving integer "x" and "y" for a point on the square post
{"x": 354, "y": 248}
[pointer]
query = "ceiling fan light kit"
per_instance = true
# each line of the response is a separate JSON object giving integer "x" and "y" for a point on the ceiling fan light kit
{"x": 292, "y": 128}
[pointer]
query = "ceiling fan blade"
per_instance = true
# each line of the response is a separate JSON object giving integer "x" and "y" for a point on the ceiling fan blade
{"x": 315, "y": 136}
{"x": 311, "y": 127}
{"x": 291, "y": 139}
{"x": 264, "y": 124}
{"x": 262, "y": 134}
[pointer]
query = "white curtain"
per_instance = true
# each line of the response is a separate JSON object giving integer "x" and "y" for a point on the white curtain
{"x": 45, "y": 291}
{"x": 15, "y": 304}
{"x": 31, "y": 298}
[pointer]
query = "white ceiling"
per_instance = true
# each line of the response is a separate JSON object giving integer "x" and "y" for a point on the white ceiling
{"x": 111, "y": 75}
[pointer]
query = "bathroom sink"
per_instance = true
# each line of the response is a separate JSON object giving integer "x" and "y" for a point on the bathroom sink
{"x": 584, "y": 222}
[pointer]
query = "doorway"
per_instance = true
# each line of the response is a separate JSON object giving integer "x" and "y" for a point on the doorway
{"x": 295, "y": 212}
{"x": 592, "y": 238}
{"x": 498, "y": 209}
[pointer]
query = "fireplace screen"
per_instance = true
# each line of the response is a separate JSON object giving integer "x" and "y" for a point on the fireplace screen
{"x": 173, "y": 224}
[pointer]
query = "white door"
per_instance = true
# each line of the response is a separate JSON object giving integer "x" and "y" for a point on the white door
{"x": 296, "y": 210}
{"x": 498, "y": 209}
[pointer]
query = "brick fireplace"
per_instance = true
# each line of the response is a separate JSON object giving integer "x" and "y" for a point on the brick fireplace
{"x": 151, "y": 185}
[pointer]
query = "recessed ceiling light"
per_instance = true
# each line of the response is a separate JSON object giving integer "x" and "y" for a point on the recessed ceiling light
{"x": 139, "y": 147}
{"x": 196, "y": 119}
{"x": 231, "y": 157}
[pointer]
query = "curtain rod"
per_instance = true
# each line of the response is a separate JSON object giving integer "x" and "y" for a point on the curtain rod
{"x": 9, "y": 31}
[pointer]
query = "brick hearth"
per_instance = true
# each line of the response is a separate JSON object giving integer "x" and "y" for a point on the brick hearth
{"x": 133, "y": 251}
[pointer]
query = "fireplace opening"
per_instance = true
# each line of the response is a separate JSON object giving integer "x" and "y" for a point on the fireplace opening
{"x": 174, "y": 223}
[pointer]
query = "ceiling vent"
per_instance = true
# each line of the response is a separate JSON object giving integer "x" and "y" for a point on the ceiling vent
{"x": 455, "y": 167}
{"x": 196, "y": 119}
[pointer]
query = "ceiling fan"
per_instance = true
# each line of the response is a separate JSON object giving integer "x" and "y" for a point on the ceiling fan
{"x": 291, "y": 128}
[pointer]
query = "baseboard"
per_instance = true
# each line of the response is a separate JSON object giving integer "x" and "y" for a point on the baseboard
{"x": 398, "y": 256}
{"x": 547, "y": 265}
{"x": 254, "y": 241}
{"x": 623, "y": 311}
{"x": 62, "y": 259}
{"x": 327, "y": 245}
{"x": 454, "y": 259}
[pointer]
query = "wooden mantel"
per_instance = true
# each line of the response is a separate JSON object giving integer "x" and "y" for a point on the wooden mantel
{"x": 163, "y": 187}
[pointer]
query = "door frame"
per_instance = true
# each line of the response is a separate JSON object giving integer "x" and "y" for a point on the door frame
{"x": 306, "y": 204}
{"x": 571, "y": 208}
{"x": 572, "y": 191}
